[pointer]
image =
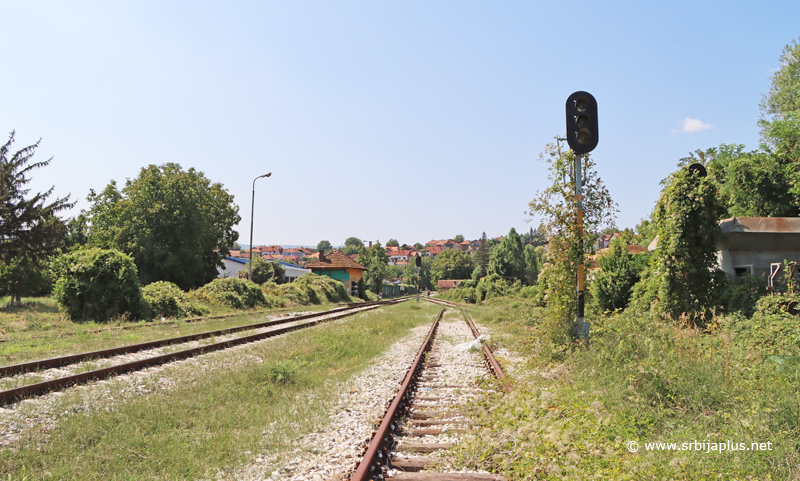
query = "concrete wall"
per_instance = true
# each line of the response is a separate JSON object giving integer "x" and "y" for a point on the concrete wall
{"x": 758, "y": 250}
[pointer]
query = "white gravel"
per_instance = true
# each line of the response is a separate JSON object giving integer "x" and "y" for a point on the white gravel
{"x": 331, "y": 454}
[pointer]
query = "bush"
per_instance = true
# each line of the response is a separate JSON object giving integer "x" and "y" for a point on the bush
{"x": 314, "y": 289}
{"x": 495, "y": 286}
{"x": 613, "y": 284}
{"x": 741, "y": 293}
{"x": 165, "y": 299}
{"x": 94, "y": 284}
{"x": 236, "y": 293}
{"x": 265, "y": 271}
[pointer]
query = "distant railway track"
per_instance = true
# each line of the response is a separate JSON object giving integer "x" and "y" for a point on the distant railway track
{"x": 174, "y": 321}
{"x": 41, "y": 388}
{"x": 425, "y": 408}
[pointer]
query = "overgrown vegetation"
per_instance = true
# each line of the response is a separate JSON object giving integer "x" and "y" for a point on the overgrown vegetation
{"x": 573, "y": 411}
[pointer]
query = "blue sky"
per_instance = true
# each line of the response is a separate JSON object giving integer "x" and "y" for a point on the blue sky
{"x": 407, "y": 120}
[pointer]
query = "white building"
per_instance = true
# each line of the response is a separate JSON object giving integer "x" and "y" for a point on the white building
{"x": 233, "y": 265}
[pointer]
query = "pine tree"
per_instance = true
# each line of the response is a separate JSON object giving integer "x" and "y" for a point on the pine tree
{"x": 29, "y": 228}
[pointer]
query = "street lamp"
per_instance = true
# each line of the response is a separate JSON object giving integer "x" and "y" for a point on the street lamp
{"x": 252, "y": 211}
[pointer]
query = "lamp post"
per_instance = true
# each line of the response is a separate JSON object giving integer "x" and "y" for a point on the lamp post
{"x": 252, "y": 211}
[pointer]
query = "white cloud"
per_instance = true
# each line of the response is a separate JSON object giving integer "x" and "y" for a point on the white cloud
{"x": 692, "y": 125}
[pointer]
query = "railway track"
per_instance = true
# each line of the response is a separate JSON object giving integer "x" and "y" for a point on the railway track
{"x": 423, "y": 419}
{"x": 264, "y": 330}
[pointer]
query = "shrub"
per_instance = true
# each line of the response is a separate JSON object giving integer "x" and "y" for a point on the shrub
{"x": 94, "y": 284}
{"x": 495, "y": 286}
{"x": 613, "y": 285}
{"x": 165, "y": 299}
{"x": 741, "y": 293}
{"x": 236, "y": 293}
{"x": 265, "y": 271}
{"x": 314, "y": 289}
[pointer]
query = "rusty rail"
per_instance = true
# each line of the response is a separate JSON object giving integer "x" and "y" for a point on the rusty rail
{"x": 377, "y": 454}
{"x": 115, "y": 351}
{"x": 488, "y": 355}
{"x": 12, "y": 395}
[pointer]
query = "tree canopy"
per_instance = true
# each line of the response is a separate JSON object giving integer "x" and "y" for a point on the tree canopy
{"x": 784, "y": 92}
{"x": 458, "y": 238}
{"x": 324, "y": 245}
{"x": 29, "y": 227}
{"x": 452, "y": 264}
{"x": 392, "y": 243}
{"x": 507, "y": 259}
{"x": 374, "y": 258}
{"x": 171, "y": 221}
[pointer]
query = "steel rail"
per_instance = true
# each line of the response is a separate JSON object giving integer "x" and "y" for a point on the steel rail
{"x": 488, "y": 355}
{"x": 115, "y": 351}
{"x": 12, "y": 395}
{"x": 377, "y": 455}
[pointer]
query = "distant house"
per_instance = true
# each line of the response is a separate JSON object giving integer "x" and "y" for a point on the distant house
{"x": 446, "y": 285}
{"x": 340, "y": 267}
{"x": 398, "y": 256}
{"x": 294, "y": 252}
{"x": 433, "y": 251}
{"x": 474, "y": 245}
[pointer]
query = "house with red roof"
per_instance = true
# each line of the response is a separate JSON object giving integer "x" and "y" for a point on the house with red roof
{"x": 340, "y": 267}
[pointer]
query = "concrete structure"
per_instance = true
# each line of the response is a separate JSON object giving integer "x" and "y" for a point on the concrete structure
{"x": 340, "y": 267}
{"x": 751, "y": 244}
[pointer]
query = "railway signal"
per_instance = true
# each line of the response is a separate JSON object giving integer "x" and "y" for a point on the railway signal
{"x": 582, "y": 134}
{"x": 582, "y": 137}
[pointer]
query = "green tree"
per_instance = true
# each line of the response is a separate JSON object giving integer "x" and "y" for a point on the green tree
{"x": 325, "y": 246}
{"x": 613, "y": 285}
{"x": 452, "y": 264}
{"x": 376, "y": 261}
{"x": 784, "y": 92}
{"x": 392, "y": 243}
{"x": 410, "y": 272}
{"x": 507, "y": 259}
{"x": 557, "y": 206}
{"x": 29, "y": 228}
{"x": 531, "y": 265}
{"x": 458, "y": 238}
{"x": 419, "y": 246}
{"x": 77, "y": 231}
{"x": 171, "y": 221}
{"x": 685, "y": 266}
{"x": 352, "y": 245}
{"x": 481, "y": 260}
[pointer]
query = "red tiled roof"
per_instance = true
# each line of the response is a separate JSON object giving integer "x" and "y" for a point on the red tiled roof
{"x": 433, "y": 250}
{"x": 335, "y": 260}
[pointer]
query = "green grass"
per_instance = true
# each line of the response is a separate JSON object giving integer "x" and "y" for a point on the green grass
{"x": 574, "y": 409}
{"x": 36, "y": 330}
{"x": 214, "y": 416}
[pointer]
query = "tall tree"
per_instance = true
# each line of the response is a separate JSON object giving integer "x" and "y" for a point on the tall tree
{"x": 507, "y": 259}
{"x": 392, "y": 243}
{"x": 458, "y": 238}
{"x": 376, "y": 261}
{"x": 176, "y": 224}
{"x": 410, "y": 272}
{"x": 481, "y": 259}
{"x": 352, "y": 245}
{"x": 324, "y": 245}
{"x": 452, "y": 264}
{"x": 784, "y": 92}
{"x": 531, "y": 265}
{"x": 29, "y": 228}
